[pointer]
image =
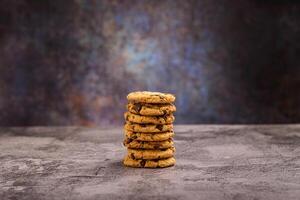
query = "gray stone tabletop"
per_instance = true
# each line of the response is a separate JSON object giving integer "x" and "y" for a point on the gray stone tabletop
{"x": 213, "y": 162}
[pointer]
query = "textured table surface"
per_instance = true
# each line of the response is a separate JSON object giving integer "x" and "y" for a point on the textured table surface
{"x": 213, "y": 162}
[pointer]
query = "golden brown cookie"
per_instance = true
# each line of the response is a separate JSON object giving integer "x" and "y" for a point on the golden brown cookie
{"x": 149, "y": 154}
{"x": 139, "y": 119}
{"x": 148, "y": 128}
{"x": 150, "y": 97}
{"x": 136, "y": 144}
{"x": 128, "y": 161}
{"x": 151, "y": 109}
{"x": 148, "y": 136}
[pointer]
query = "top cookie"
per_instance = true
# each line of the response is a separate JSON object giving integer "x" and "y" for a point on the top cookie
{"x": 150, "y": 97}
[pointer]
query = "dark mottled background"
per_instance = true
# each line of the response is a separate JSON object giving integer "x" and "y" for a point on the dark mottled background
{"x": 73, "y": 62}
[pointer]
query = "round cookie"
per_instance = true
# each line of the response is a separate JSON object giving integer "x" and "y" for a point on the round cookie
{"x": 151, "y": 109}
{"x": 129, "y": 162}
{"x": 139, "y": 119}
{"x": 150, "y": 154}
{"x": 149, "y": 136}
{"x": 135, "y": 144}
{"x": 148, "y": 128}
{"x": 150, "y": 97}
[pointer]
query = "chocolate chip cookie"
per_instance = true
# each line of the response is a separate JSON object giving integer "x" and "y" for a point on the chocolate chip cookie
{"x": 148, "y": 136}
{"x": 128, "y": 161}
{"x": 136, "y": 144}
{"x": 149, "y": 154}
{"x": 148, "y": 128}
{"x": 151, "y": 109}
{"x": 139, "y": 119}
{"x": 150, "y": 97}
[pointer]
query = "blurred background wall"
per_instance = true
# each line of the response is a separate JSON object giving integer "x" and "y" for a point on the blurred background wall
{"x": 73, "y": 62}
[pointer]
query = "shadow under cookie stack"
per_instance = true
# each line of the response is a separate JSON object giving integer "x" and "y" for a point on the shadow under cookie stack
{"x": 149, "y": 130}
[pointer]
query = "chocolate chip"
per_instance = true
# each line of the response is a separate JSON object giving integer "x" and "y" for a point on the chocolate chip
{"x": 155, "y": 160}
{"x": 143, "y": 125}
{"x": 165, "y": 117}
{"x": 132, "y": 156}
{"x": 143, "y": 162}
{"x": 128, "y": 140}
{"x": 159, "y": 127}
{"x": 134, "y": 137}
{"x": 137, "y": 107}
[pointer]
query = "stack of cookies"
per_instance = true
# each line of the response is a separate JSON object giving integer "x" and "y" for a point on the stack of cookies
{"x": 149, "y": 130}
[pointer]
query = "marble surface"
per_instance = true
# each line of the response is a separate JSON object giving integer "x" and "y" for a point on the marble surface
{"x": 213, "y": 162}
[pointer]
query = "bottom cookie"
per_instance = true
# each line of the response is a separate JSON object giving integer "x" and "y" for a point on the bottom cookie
{"x": 158, "y": 163}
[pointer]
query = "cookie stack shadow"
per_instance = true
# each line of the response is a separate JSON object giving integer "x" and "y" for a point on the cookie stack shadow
{"x": 149, "y": 130}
